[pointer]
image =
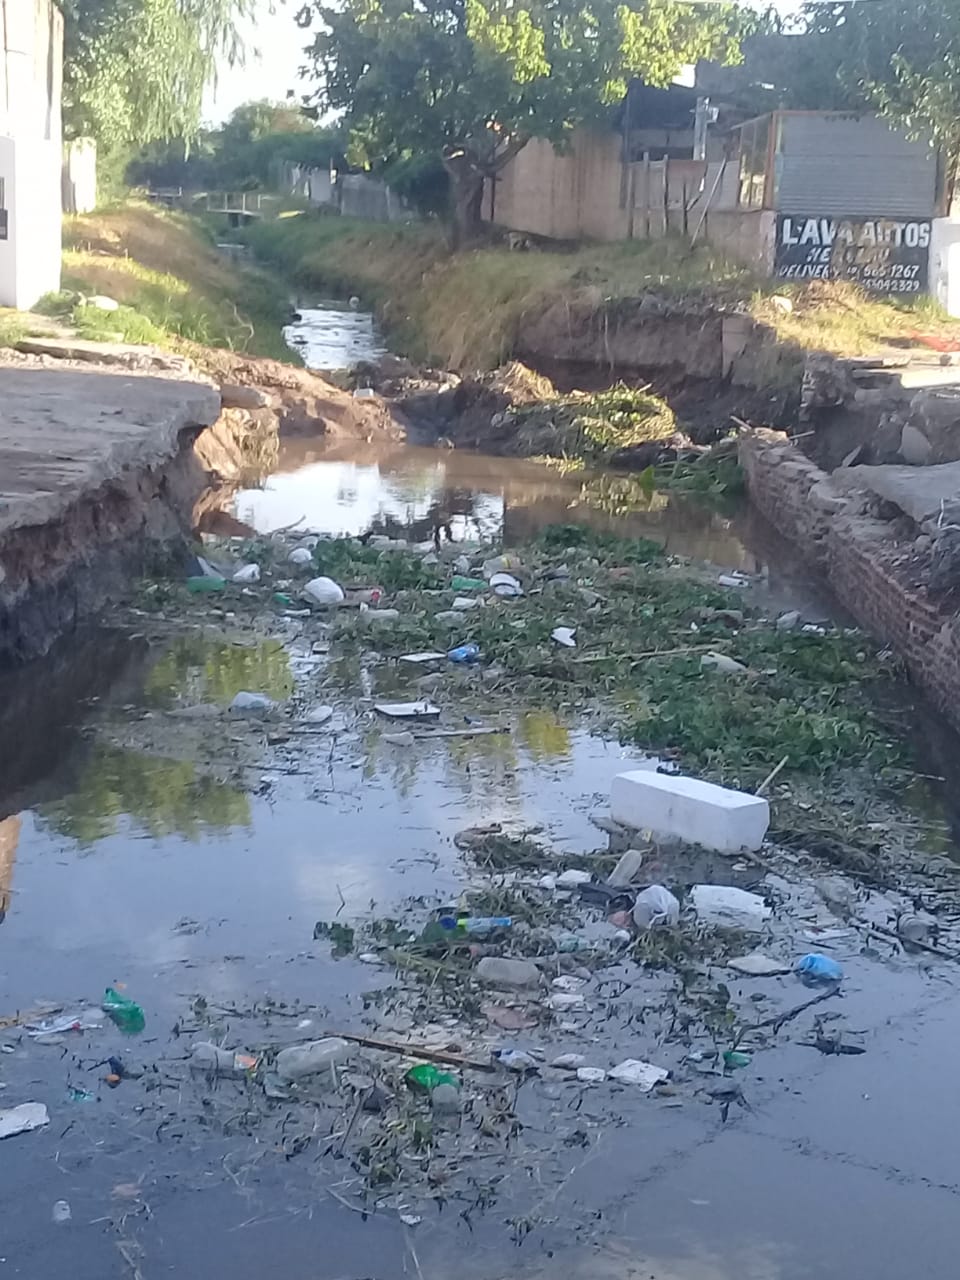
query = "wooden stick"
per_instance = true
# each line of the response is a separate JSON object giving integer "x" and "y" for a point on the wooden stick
{"x": 909, "y": 942}
{"x": 770, "y": 777}
{"x": 416, "y": 1051}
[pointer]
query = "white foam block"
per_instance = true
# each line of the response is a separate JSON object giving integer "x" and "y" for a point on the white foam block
{"x": 689, "y": 809}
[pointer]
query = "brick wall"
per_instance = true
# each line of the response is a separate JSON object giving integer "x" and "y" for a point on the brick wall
{"x": 872, "y": 573}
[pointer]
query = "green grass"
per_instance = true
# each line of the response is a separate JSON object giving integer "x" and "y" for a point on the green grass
{"x": 174, "y": 287}
{"x": 465, "y": 310}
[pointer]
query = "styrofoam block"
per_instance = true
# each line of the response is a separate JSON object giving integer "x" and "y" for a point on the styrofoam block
{"x": 689, "y": 809}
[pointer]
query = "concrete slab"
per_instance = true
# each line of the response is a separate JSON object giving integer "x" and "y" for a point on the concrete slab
{"x": 918, "y": 491}
{"x": 689, "y": 809}
{"x": 64, "y": 432}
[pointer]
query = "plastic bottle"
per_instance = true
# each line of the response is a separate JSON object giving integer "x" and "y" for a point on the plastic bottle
{"x": 201, "y": 585}
{"x": 316, "y": 1057}
{"x": 475, "y": 924}
{"x": 464, "y": 653}
{"x": 817, "y": 968}
{"x": 425, "y": 1077}
{"x": 127, "y": 1014}
{"x": 460, "y": 583}
{"x": 626, "y": 869}
{"x": 222, "y": 1062}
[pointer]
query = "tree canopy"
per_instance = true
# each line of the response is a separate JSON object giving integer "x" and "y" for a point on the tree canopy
{"x": 473, "y": 80}
{"x": 134, "y": 71}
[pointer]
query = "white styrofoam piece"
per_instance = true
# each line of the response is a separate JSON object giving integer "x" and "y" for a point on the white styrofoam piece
{"x": 689, "y": 809}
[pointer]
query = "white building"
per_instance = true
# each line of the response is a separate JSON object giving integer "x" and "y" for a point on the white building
{"x": 30, "y": 150}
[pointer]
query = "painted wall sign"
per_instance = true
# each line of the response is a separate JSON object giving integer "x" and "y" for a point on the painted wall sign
{"x": 884, "y": 255}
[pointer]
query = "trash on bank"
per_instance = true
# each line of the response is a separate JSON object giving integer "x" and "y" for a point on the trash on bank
{"x": 323, "y": 591}
{"x": 727, "y": 666}
{"x": 643, "y": 1074}
{"x": 689, "y": 809}
{"x": 460, "y": 583}
{"x": 317, "y": 715}
{"x": 315, "y": 1058}
{"x": 656, "y": 907}
{"x": 626, "y": 870}
{"x": 573, "y": 878}
{"x": 407, "y": 710}
{"x": 205, "y": 1056}
{"x": 248, "y": 703}
{"x": 406, "y": 739}
{"x": 818, "y": 968}
{"x": 477, "y": 925}
{"x": 757, "y": 965}
{"x": 591, "y": 1075}
{"x": 421, "y": 659}
{"x": 247, "y": 573}
{"x": 516, "y": 1060}
{"x": 425, "y": 1077}
{"x": 727, "y": 907}
{"x": 565, "y": 636}
{"x": 301, "y": 556}
{"x": 506, "y": 585}
{"x": 464, "y": 653}
{"x": 124, "y": 1013}
{"x": 501, "y": 971}
{"x": 202, "y": 585}
{"x": 23, "y": 1119}
{"x": 81, "y": 1020}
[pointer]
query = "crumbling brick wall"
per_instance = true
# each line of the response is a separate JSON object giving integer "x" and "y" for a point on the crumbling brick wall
{"x": 871, "y": 570}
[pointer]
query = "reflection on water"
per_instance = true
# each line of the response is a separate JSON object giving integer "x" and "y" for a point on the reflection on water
{"x": 161, "y": 797}
{"x": 334, "y": 336}
{"x": 195, "y": 669}
{"x": 352, "y": 487}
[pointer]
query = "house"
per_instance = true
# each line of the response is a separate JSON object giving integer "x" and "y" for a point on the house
{"x": 30, "y": 150}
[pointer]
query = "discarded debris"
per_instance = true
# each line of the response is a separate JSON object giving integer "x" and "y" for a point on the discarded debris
{"x": 124, "y": 1013}
{"x": 728, "y": 907}
{"x": 643, "y": 1074}
{"x": 323, "y": 591}
{"x": 315, "y": 1058}
{"x": 407, "y": 710}
{"x": 656, "y": 907}
{"x": 252, "y": 703}
{"x": 757, "y": 965}
{"x": 819, "y": 968}
{"x": 246, "y": 574}
{"x": 565, "y": 636}
{"x": 23, "y": 1119}
{"x": 499, "y": 971}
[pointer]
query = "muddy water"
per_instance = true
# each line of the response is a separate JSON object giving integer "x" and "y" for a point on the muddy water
{"x": 184, "y": 860}
{"x": 333, "y": 335}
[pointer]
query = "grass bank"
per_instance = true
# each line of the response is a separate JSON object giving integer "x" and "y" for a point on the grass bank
{"x": 175, "y": 288}
{"x": 464, "y": 310}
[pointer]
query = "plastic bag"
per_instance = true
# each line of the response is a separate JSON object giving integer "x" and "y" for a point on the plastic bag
{"x": 656, "y": 907}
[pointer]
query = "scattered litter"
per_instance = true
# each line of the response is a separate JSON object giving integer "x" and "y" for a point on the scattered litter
{"x": 323, "y": 591}
{"x": 460, "y": 583}
{"x": 817, "y": 968}
{"x": 301, "y": 556}
{"x": 572, "y": 878}
{"x": 317, "y": 715}
{"x": 735, "y": 579}
{"x": 508, "y": 1019}
{"x": 81, "y": 1020}
{"x": 591, "y": 1075}
{"x": 461, "y": 604}
{"x": 516, "y": 1060}
{"x": 501, "y": 971}
{"x": 733, "y": 1059}
{"x": 252, "y": 703}
{"x": 425, "y": 1077}
{"x": 23, "y": 1119}
{"x": 564, "y": 636}
{"x": 643, "y": 1074}
{"x": 464, "y": 653}
{"x": 247, "y": 573}
{"x": 398, "y": 739}
{"x": 410, "y": 1219}
{"x": 476, "y": 925}
{"x": 757, "y": 965}
{"x": 566, "y": 1002}
{"x": 205, "y": 1056}
{"x": 315, "y": 1058}
{"x": 721, "y": 662}
{"x": 788, "y": 621}
{"x": 125, "y": 1014}
{"x": 407, "y": 710}
{"x": 61, "y": 1212}
{"x": 202, "y": 585}
{"x": 500, "y": 564}
{"x": 729, "y": 908}
{"x": 568, "y": 1061}
{"x": 420, "y": 659}
{"x": 506, "y": 585}
{"x": 625, "y": 872}
{"x": 567, "y": 982}
{"x": 656, "y": 907}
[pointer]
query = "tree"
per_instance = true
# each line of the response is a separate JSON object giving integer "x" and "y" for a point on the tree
{"x": 472, "y": 81}
{"x": 902, "y": 62}
{"x": 134, "y": 71}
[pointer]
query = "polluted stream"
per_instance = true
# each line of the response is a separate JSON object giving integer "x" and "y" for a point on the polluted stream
{"x": 308, "y": 867}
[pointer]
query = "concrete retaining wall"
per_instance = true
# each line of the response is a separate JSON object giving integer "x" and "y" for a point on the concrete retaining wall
{"x": 872, "y": 566}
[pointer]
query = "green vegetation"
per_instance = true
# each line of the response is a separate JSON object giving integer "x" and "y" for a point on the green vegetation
{"x": 592, "y": 429}
{"x": 174, "y": 288}
{"x": 135, "y": 70}
{"x": 470, "y": 84}
{"x": 465, "y": 310}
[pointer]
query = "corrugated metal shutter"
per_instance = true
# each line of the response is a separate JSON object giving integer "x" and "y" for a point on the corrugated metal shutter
{"x": 839, "y": 165}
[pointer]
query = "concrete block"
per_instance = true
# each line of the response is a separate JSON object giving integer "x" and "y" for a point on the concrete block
{"x": 689, "y": 809}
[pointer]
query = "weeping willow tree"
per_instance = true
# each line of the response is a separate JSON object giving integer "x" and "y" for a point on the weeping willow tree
{"x": 135, "y": 70}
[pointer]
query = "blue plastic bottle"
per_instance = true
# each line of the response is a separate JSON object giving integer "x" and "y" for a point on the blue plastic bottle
{"x": 464, "y": 653}
{"x": 817, "y": 968}
{"x": 475, "y": 924}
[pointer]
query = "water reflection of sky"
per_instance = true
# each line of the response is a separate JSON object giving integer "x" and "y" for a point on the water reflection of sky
{"x": 334, "y": 337}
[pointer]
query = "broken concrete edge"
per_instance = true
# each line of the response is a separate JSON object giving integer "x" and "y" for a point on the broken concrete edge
{"x": 865, "y": 560}
{"x": 689, "y": 809}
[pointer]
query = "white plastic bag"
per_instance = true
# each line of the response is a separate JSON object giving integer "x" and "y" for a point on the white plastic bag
{"x": 728, "y": 907}
{"x": 656, "y": 907}
{"x": 323, "y": 591}
{"x": 247, "y": 573}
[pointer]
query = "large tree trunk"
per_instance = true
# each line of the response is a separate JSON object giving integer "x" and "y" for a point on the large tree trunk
{"x": 466, "y": 189}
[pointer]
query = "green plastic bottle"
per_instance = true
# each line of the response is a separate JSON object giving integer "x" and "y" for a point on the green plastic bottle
{"x": 204, "y": 586}
{"x": 126, "y": 1014}
{"x": 461, "y": 583}
{"x": 425, "y": 1077}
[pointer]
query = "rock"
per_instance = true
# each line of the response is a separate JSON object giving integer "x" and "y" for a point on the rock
{"x": 915, "y": 448}
{"x": 781, "y": 303}
{"x": 500, "y": 971}
{"x": 445, "y": 1099}
{"x": 568, "y": 1061}
{"x": 788, "y": 621}
{"x": 102, "y": 302}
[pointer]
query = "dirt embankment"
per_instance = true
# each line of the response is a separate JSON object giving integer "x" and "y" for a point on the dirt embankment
{"x": 112, "y": 455}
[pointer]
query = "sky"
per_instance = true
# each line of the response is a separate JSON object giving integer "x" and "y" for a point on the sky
{"x": 274, "y": 53}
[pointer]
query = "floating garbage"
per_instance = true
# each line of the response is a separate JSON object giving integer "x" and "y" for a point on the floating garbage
{"x": 464, "y": 653}
{"x": 23, "y": 1119}
{"x": 591, "y": 1075}
{"x": 407, "y": 710}
{"x": 818, "y": 968}
{"x": 314, "y": 1058}
{"x": 205, "y": 1056}
{"x": 655, "y": 908}
{"x": 643, "y": 1074}
{"x": 323, "y": 591}
{"x": 124, "y": 1013}
{"x": 252, "y": 703}
{"x": 501, "y": 971}
{"x": 203, "y": 585}
{"x": 728, "y": 907}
